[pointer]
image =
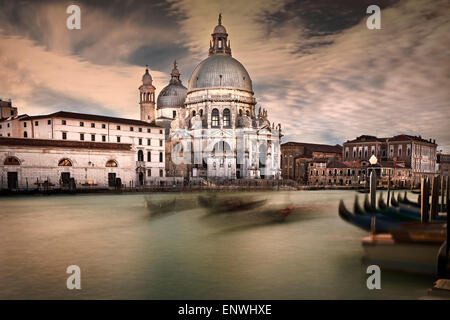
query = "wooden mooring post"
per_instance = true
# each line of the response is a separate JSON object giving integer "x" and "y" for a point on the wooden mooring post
{"x": 389, "y": 190}
{"x": 425, "y": 199}
{"x": 434, "y": 198}
{"x": 441, "y": 207}
{"x": 373, "y": 190}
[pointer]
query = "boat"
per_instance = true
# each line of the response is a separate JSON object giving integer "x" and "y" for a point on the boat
{"x": 366, "y": 221}
{"x": 228, "y": 205}
{"x": 160, "y": 207}
{"x": 405, "y": 200}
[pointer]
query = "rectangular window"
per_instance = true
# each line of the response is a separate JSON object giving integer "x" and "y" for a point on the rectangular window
{"x": 149, "y": 142}
{"x": 92, "y": 137}
{"x": 63, "y": 122}
{"x": 140, "y": 141}
{"x": 49, "y": 121}
{"x": 92, "y": 125}
{"x": 103, "y": 126}
{"x": 7, "y": 125}
{"x": 160, "y": 131}
{"x": 24, "y": 124}
{"x": 81, "y": 124}
{"x": 160, "y": 157}
{"x": 140, "y": 129}
{"x": 118, "y": 139}
{"x": 81, "y": 136}
{"x": 118, "y": 127}
{"x": 131, "y": 129}
{"x": 160, "y": 143}
{"x": 104, "y": 138}
{"x": 64, "y": 135}
{"x": 149, "y": 156}
{"x": 0, "y": 126}
{"x": 36, "y": 123}
{"x": 149, "y": 131}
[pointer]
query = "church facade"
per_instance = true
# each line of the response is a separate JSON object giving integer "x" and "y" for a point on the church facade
{"x": 218, "y": 133}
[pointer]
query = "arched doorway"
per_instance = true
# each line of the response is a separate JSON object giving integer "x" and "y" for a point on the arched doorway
{"x": 65, "y": 176}
{"x": 13, "y": 178}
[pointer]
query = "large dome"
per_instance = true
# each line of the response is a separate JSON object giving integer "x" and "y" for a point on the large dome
{"x": 220, "y": 70}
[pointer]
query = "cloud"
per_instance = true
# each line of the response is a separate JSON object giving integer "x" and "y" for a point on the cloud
{"x": 315, "y": 66}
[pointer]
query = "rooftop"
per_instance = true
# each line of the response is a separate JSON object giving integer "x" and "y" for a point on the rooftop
{"x": 93, "y": 117}
{"x": 313, "y": 147}
{"x": 6, "y": 141}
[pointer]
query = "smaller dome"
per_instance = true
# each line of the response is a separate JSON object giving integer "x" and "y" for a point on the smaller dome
{"x": 174, "y": 94}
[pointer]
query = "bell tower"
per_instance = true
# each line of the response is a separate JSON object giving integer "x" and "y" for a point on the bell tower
{"x": 147, "y": 97}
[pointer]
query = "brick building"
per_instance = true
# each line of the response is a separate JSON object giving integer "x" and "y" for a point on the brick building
{"x": 443, "y": 163}
{"x": 406, "y": 158}
{"x": 295, "y": 158}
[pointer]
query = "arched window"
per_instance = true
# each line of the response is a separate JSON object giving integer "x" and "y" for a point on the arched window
{"x": 11, "y": 161}
{"x": 247, "y": 112}
{"x": 111, "y": 163}
{"x": 140, "y": 155}
{"x": 240, "y": 112}
{"x": 65, "y": 163}
{"x": 226, "y": 118}
{"x": 221, "y": 148}
{"x": 193, "y": 113}
{"x": 215, "y": 118}
{"x": 161, "y": 172}
{"x": 262, "y": 155}
{"x": 201, "y": 112}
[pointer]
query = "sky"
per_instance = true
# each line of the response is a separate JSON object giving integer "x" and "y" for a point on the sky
{"x": 315, "y": 66}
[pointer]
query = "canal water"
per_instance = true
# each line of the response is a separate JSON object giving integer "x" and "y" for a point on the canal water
{"x": 124, "y": 253}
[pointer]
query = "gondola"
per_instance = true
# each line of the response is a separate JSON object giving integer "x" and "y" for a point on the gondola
{"x": 405, "y": 200}
{"x": 364, "y": 221}
{"x": 157, "y": 208}
{"x": 215, "y": 205}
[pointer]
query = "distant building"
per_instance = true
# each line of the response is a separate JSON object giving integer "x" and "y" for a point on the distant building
{"x": 404, "y": 157}
{"x": 296, "y": 156}
{"x": 443, "y": 163}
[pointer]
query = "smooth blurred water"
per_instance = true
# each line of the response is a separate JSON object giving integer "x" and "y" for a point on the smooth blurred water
{"x": 123, "y": 253}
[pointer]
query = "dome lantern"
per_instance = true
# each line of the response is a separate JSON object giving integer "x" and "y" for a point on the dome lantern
{"x": 220, "y": 44}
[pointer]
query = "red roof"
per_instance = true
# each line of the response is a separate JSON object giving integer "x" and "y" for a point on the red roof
{"x": 313, "y": 147}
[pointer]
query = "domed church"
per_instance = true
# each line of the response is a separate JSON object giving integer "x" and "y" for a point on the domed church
{"x": 217, "y": 133}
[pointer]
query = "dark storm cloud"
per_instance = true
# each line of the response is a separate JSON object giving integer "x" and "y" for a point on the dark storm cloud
{"x": 320, "y": 17}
